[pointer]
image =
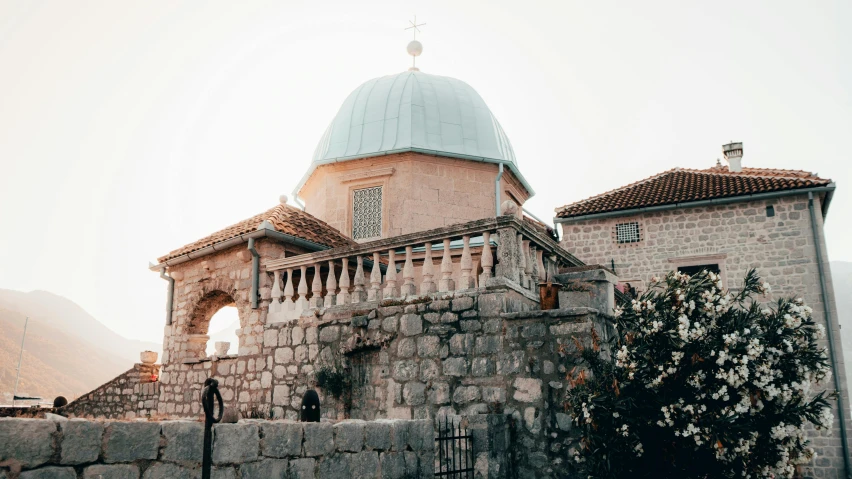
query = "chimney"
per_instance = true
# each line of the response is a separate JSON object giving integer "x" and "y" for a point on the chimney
{"x": 734, "y": 154}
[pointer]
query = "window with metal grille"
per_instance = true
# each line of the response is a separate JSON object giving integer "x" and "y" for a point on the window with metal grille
{"x": 627, "y": 233}
{"x": 367, "y": 213}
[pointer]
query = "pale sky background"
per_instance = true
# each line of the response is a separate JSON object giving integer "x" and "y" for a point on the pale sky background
{"x": 128, "y": 129}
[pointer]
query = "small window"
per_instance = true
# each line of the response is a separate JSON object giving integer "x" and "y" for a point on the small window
{"x": 770, "y": 211}
{"x": 627, "y": 233}
{"x": 367, "y": 213}
{"x": 693, "y": 270}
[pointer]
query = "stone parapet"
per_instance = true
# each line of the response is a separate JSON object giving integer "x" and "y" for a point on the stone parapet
{"x": 250, "y": 449}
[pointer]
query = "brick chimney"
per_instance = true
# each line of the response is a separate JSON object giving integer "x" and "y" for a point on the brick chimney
{"x": 734, "y": 155}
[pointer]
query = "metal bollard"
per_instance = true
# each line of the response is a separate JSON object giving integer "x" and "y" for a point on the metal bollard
{"x": 211, "y": 389}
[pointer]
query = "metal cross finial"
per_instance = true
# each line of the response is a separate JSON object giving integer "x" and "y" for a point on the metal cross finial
{"x": 415, "y": 25}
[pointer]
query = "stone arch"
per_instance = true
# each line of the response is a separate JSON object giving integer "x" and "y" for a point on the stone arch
{"x": 204, "y": 303}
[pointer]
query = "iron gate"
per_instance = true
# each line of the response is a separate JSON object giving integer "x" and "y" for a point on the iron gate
{"x": 454, "y": 452}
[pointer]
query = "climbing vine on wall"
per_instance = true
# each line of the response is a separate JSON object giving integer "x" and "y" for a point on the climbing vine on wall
{"x": 701, "y": 383}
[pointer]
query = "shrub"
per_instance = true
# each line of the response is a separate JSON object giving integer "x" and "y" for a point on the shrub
{"x": 703, "y": 383}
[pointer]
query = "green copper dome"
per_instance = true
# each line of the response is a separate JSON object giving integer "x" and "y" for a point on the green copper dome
{"x": 415, "y": 111}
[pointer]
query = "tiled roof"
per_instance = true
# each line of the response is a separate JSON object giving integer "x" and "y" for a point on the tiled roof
{"x": 681, "y": 185}
{"x": 284, "y": 218}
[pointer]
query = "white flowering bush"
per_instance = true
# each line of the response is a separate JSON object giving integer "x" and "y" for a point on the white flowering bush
{"x": 701, "y": 383}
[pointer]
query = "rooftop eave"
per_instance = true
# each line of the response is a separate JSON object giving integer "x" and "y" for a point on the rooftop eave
{"x": 828, "y": 190}
{"x": 265, "y": 231}
{"x": 512, "y": 166}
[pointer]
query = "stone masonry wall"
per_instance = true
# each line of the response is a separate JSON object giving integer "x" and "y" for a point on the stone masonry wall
{"x": 132, "y": 394}
{"x": 80, "y": 449}
{"x": 737, "y": 236}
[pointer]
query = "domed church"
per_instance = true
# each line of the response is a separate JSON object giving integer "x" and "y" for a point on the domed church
{"x": 410, "y": 272}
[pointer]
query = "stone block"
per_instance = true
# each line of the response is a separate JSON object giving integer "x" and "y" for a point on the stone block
{"x": 449, "y": 317}
{"x": 511, "y": 363}
{"x": 329, "y": 334}
{"x": 493, "y": 394}
{"x": 428, "y": 346}
{"x": 114, "y": 471}
{"x": 235, "y": 443}
{"x": 129, "y": 441}
{"x": 283, "y": 355}
{"x": 304, "y": 468}
{"x": 414, "y": 393}
{"x": 271, "y": 468}
{"x": 463, "y": 303}
{"x": 27, "y": 441}
{"x": 466, "y": 394}
{"x": 426, "y": 465}
{"x": 334, "y": 465}
{"x": 389, "y": 324}
{"x": 319, "y": 438}
{"x": 480, "y": 367}
{"x": 399, "y": 435}
{"x": 406, "y": 347}
{"x": 462, "y": 344}
{"x": 536, "y": 330}
{"x": 377, "y": 435}
{"x": 487, "y": 344}
{"x": 270, "y": 338}
{"x": 81, "y": 441}
{"x": 57, "y": 473}
{"x": 164, "y": 470}
{"x": 281, "y": 439}
{"x": 563, "y": 421}
{"x": 364, "y": 464}
{"x": 428, "y": 370}
{"x": 404, "y": 370}
{"x": 439, "y": 393}
{"x": 470, "y": 325}
{"x": 349, "y": 436}
{"x": 223, "y": 473}
{"x": 421, "y": 435}
{"x": 281, "y": 395}
{"x": 455, "y": 366}
{"x": 182, "y": 442}
{"x": 393, "y": 465}
{"x": 527, "y": 389}
{"x": 410, "y": 325}
{"x": 359, "y": 321}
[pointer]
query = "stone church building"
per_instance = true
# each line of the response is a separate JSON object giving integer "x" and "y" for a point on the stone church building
{"x": 413, "y": 270}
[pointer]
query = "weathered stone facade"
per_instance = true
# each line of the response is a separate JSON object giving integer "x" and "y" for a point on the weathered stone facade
{"x": 736, "y": 236}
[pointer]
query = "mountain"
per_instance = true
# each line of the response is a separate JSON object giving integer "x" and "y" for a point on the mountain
{"x": 841, "y": 274}
{"x": 67, "y": 351}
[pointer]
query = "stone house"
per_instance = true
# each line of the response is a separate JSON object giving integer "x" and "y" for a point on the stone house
{"x": 727, "y": 219}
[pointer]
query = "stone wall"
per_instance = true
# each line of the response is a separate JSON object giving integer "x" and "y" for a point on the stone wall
{"x": 737, "y": 237}
{"x": 80, "y": 449}
{"x": 134, "y": 393}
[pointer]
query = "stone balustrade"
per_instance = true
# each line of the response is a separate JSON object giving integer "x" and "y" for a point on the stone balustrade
{"x": 471, "y": 255}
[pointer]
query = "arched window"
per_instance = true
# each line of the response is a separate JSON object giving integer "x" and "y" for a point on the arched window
{"x": 222, "y": 327}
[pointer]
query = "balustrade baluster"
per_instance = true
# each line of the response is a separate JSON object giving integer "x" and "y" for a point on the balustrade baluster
{"x": 542, "y": 274}
{"x": 486, "y": 260}
{"x": 466, "y": 265}
{"x": 288, "y": 291}
{"x": 302, "y": 302}
{"x": 359, "y": 295}
{"x": 343, "y": 297}
{"x": 276, "y": 288}
{"x": 553, "y": 269}
{"x": 528, "y": 266}
{"x": 391, "y": 290}
{"x": 375, "y": 293}
{"x": 522, "y": 263}
{"x": 330, "y": 285}
{"x": 508, "y": 253}
{"x": 316, "y": 288}
{"x": 446, "y": 283}
{"x": 428, "y": 285}
{"x": 408, "y": 287}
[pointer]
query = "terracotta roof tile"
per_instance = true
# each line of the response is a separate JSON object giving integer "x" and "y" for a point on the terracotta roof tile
{"x": 684, "y": 185}
{"x": 284, "y": 218}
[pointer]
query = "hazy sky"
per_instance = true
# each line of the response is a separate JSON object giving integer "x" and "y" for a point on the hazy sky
{"x": 128, "y": 129}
